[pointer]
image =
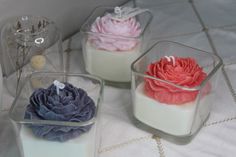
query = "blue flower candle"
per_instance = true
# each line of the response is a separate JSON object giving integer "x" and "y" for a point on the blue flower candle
{"x": 70, "y": 104}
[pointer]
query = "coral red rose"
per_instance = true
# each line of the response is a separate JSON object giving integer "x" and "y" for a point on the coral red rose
{"x": 180, "y": 71}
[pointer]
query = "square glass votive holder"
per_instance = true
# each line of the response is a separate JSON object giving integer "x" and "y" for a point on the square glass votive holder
{"x": 29, "y": 44}
{"x": 64, "y": 125}
{"x": 110, "y": 45}
{"x": 1, "y": 88}
{"x": 173, "y": 98}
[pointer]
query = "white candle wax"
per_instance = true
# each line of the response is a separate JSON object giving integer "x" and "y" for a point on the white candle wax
{"x": 177, "y": 120}
{"x": 111, "y": 66}
{"x": 82, "y": 146}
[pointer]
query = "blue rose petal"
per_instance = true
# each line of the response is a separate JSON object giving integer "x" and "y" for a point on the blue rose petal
{"x": 72, "y": 104}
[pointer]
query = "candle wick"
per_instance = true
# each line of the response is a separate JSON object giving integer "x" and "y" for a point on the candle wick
{"x": 168, "y": 58}
{"x": 59, "y": 86}
{"x": 58, "y": 91}
{"x": 118, "y": 11}
{"x": 171, "y": 58}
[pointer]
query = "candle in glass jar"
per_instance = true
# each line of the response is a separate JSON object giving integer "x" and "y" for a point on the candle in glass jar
{"x": 167, "y": 107}
{"x": 110, "y": 57}
{"x": 113, "y": 41}
{"x": 59, "y": 102}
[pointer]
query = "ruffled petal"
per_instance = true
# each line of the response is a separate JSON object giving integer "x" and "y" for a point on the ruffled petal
{"x": 72, "y": 104}
{"x": 185, "y": 72}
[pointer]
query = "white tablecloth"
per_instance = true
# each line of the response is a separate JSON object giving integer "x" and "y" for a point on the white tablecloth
{"x": 204, "y": 24}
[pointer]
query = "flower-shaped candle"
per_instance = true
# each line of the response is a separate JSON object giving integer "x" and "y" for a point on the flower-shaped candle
{"x": 172, "y": 88}
{"x": 58, "y": 119}
{"x": 180, "y": 71}
{"x": 113, "y": 41}
{"x": 108, "y": 25}
{"x": 70, "y": 104}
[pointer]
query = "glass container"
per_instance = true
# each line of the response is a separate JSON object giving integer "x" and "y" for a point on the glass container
{"x": 110, "y": 46}
{"x": 173, "y": 98}
{"x": 29, "y": 44}
{"x": 1, "y": 88}
{"x": 58, "y": 126}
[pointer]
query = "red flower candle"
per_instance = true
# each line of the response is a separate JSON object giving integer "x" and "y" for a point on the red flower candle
{"x": 174, "y": 94}
{"x": 184, "y": 72}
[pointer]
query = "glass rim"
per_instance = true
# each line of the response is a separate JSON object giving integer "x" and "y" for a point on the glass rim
{"x": 30, "y": 17}
{"x": 55, "y": 122}
{"x": 83, "y": 27}
{"x": 196, "y": 88}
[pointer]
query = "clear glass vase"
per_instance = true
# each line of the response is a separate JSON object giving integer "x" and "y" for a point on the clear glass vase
{"x": 70, "y": 129}
{"x": 29, "y": 44}
{"x": 173, "y": 98}
{"x": 108, "y": 54}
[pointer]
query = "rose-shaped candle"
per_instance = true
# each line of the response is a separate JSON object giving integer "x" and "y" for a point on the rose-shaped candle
{"x": 107, "y": 25}
{"x": 69, "y": 104}
{"x": 180, "y": 71}
{"x": 112, "y": 42}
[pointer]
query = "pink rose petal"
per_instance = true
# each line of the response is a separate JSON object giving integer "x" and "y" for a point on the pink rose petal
{"x": 106, "y": 25}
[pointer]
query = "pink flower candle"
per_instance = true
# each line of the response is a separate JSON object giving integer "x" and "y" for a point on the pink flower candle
{"x": 113, "y": 41}
{"x": 110, "y": 26}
